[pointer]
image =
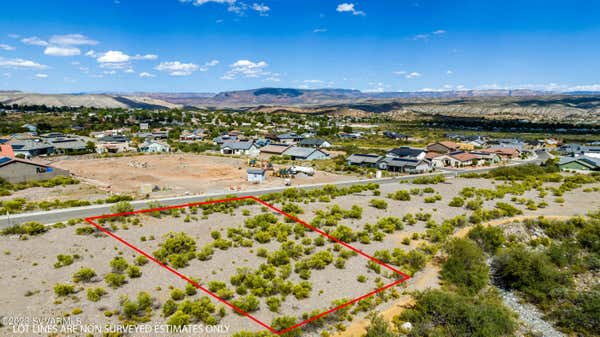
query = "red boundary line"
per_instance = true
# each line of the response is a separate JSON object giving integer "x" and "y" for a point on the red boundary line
{"x": 240, "y": 311}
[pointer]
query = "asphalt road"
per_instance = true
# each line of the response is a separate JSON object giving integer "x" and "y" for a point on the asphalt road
{"x": 65, "y": 214}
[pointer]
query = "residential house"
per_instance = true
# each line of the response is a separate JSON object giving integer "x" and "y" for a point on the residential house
{"x": 220, "y": 140}
{"x": 395, "y": 135}
{"x": 505, "y": 153}
{"x": 350, "y": 135}
{"x": 455, "y": 159}
{"x": 29, "y": 148}
{"x": 581, "y": 163}
{"x": 191, "y": 136}
{"x": 289, "y": 138}
{"x": 274, "y": 149}
{"x": 368, "y": 160}
{"x": 305, "y": 153}
{"x": 256, "y": 175}
{"x": 404, "y": 165}
{"x": 405, "y": 152}
{"x": 153, "y": 146}
{"x": 240, "y": 148}
{"x": 68, "y": 145}
{"x": 314, "y": 142}
{"x": 15, "y": 170}
{"x": 114, "y": 144}
{"x": 486, "y": 157}
{"x": 443, "y": 147}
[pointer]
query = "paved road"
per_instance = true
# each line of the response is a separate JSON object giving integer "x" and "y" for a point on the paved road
{"x": 63, "y": 215}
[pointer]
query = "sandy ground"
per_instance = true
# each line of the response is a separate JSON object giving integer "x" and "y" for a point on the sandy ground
{"x": 28, "y": 264}
{"x": 175, "y": 174}
{"x": 81, "y": 191}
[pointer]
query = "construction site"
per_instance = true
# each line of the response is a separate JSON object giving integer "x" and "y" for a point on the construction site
{"x": 181, "y": 174}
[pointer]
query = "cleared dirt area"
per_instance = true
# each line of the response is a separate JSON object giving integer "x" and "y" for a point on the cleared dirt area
{"x": 29, "y": 277}
{"x": 175, "y": 174}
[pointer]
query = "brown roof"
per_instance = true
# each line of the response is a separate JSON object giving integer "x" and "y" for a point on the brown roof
{"x": 431, "y": 155}
{"x": 506, "y": 151}
{"x": 463, "y": 156}
{"x": 276, "y": 149}
{"x": 448, "y": 144}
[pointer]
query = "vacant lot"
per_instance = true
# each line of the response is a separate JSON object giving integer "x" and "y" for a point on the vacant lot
{"x": 174, "y": 174}
{"x": 26, "y": 293}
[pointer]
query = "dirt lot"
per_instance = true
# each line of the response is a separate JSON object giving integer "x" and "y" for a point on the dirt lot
{"x": 28, "y": 264}
{"x": 175, "y": 174}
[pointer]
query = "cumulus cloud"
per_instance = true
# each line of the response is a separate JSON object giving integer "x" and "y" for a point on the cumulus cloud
{"x": 209, "y": 65}
{"x": 246, "y": 68}
{"x": 6, "y": 47}
{"x": 18, "y": 63}
{"x": 146, "y": 74}
{"x": 176, "y": 68}
{"x": 261, "y": 8}
{"x": 349, "y": 7}
{"x": 34, "y": 41}
{"x": 61, "y": 51}
{"x": 41, "y": 75}
{"x": 113, "y": 56}
{"x": 72, "y": 40}
{"x": 413, "y": 74}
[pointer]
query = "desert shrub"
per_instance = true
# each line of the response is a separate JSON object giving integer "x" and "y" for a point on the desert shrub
{"x": 179, "y": 319}
{"x": 284, "y": 322}
{"x": 121, "y": 207}
{"x": 436, "y": 179}
{"x": 64, "y": 289}
{"x": 344, "y": 234}
{"x": 29, "y": 228}
{"x": 489, "y": 238}
{"x": 114, "y": 280}
{"x": 531, "y": 273}
{"x": 177, "y": 294}
{"x": 361, "y": 278}
{"x": 134, "y": 272}
{"x": 378, "y": 203}
{"x": 400, "y": 195}
{"x": 63, "y": 260}
{"x": 274, "y": 303}
{"x": 378, "y": 327}
{"x": 118, "y": 265}
{"x": 247, "y": 303}
{"x": 508, "y": 209}
{"x": 178, "y": 248}
{"x": 581, "y": 313}
{"x": 457, "y": 202}
{"x": 84, "y": 275}
{"x": 465, "y": 267}
{"x": 302, "y": 290}
{"x": 139, "y": 310}
{"x": 474, "y": 204}
{"x": 432, "y": 199}
{"x": 140, "y": 260}
{"x": 440, "y": 313}
{"x": 205, "y": 253}
{"x": 94, "y": 294}
{"x": 390, "y": 224}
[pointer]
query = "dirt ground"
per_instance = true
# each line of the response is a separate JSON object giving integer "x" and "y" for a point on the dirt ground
{"x": 175, "y": 174}
{"x": 28, "y": 265}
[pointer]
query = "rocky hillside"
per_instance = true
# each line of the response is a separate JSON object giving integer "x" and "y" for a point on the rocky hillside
{"x": 86, "y": 100}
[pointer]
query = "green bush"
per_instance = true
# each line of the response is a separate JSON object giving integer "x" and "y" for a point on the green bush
{"x": 399, "y": 195}
{"x": 29, "y": 228}
{"x": 489, "y": 238}
{"x": 247, "y": 303}
{"x": 134, "y": 272}
{"x": 95, "y": 294}
{"x": 140, "y": 260}
{"x": 440, "y": 313}
{"x": 436, "y": 179}
{"x": 378, "y": 203}
{"x": 465, "y": 267}
{"x": 118, "y": 265}
{"x": 457, "y": 202}
{"x": 64, "y": 289}
{"x": 84, "y": 275}
{"x": 63, "y": 260}
{"x": 114, "y": 280}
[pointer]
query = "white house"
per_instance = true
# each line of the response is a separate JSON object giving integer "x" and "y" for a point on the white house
{"x": 256, "y": 175}
{"x": 240, "y": 148}
{"x": 152, "y": 146}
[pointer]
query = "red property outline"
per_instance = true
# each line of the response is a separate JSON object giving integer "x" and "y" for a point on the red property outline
{"x": 403, "y": 278}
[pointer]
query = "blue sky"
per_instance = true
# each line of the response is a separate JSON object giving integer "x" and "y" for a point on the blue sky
{"x": 371, "y": 45}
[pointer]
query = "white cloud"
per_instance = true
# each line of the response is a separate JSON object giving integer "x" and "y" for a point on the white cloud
{"x": 349, "y": 7}
{"x": 209, "y": 65}
{"x": 439, "y": 32}
{"x": 421, "y": 37}
{"x": 320, "y": 30}
{"x": 176, "y": 68}
{"x": 449, "y": 72}
{"x": 91, "y": 53}
{"x": 144, "y": 57}
{"x": 130, "y": 71}
{"x": 246, "y": 68}
{"x": 261, "y": 8}
{"x": 413, "y": 74}
{"x": 72, "y": 40}
{"x": 6, "y": 47}
{"x": 113, "y": 56}
{"x": 61, "y": 51}
{"x": 41, "y": 75}
{"x": 400, "y": 72}
{"x": 18, "y": 63}
{"x": 146, "y": 74}
{"x": 313, "y": 81}
{"x": 426, "y": 36}
{"x": 34, "y": 41}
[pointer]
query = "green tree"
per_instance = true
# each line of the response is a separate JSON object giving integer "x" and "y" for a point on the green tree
{"x": 465, "y": 266}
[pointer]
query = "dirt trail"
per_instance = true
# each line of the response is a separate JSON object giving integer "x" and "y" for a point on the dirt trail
{"x": 428, "y": 277}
